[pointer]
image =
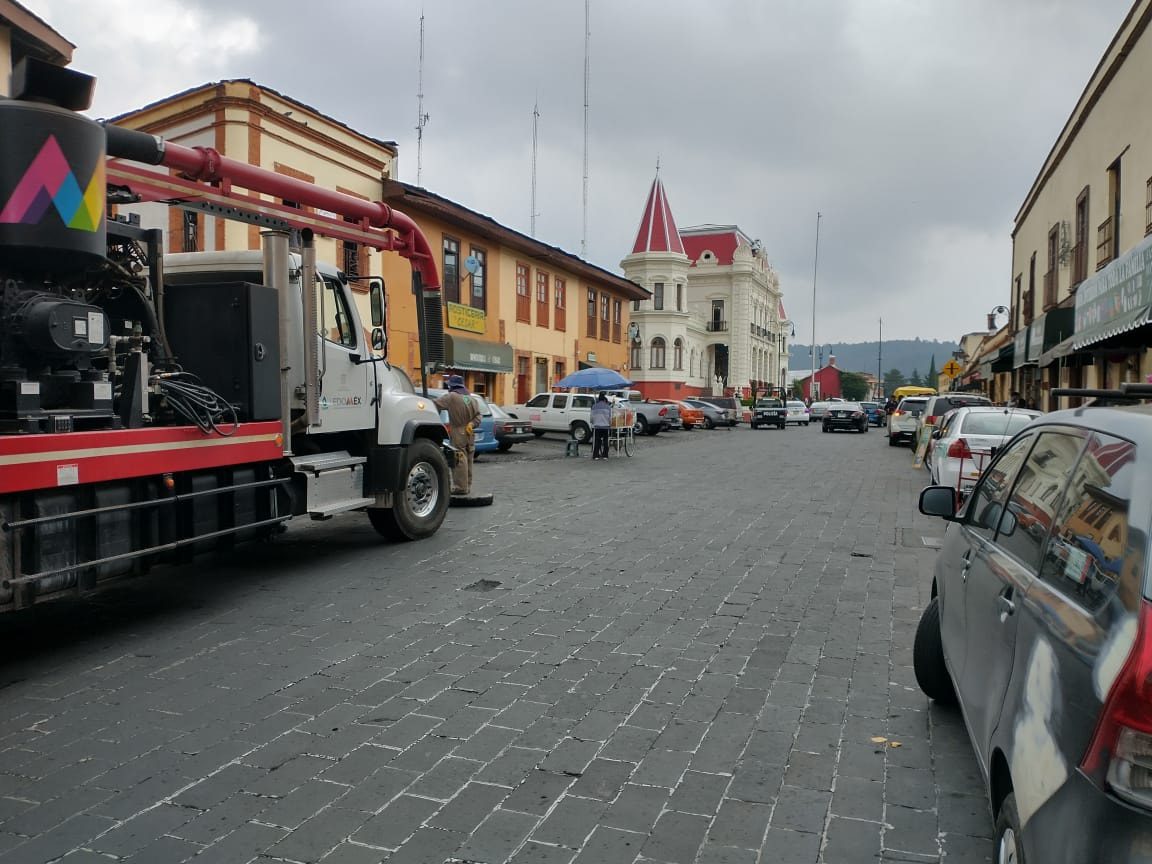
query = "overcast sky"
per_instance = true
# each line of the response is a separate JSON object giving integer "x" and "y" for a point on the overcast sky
{"x": 915, "y": 127}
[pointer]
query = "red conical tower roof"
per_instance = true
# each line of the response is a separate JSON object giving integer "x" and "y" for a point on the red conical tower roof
{"x": 658, "y": 232}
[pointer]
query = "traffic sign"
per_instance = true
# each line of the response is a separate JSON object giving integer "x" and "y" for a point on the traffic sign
{"x": 951, "y": 369}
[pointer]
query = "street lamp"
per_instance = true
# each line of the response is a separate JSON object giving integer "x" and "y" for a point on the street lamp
{"x": 998, "y": 310}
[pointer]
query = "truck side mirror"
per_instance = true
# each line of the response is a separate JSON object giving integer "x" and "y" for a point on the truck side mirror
{"x": 379, "y": 340}
{"x": 377, "y": 302}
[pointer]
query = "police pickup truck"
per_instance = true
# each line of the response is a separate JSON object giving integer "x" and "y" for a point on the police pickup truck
{"x": 769, "y": 412}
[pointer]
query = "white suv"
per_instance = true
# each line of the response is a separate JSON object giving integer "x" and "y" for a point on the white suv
{"x": 558, "y": 412}
{"x": 904, "y": 421}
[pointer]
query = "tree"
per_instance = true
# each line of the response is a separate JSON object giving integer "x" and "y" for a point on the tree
{"x": 933, "y": 377}
{"x": 915, "y": 380}
{"x": 893, "y": 378}
{"x": 853, "y": 386}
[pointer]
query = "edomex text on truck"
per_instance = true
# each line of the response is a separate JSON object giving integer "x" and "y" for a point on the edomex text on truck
{"x": 151, "y": 410}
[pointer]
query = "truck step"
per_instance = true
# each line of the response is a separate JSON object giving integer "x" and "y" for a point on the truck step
{"x": 334, "y": 482}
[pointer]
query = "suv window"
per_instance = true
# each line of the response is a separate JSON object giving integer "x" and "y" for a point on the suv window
{"x": 560, "y": 400}
{"x": 582, "y": 401}
{"x": 1037, "y": 492}
{"x": 540, "y": 401}
{"x": 1088, "y": 549}
{"x": 481, "y": 404}
{"x": 991, "y": 493}
{"x": 915, "y": 407}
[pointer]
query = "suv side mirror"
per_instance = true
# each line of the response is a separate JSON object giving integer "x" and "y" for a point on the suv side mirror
{"x": 377, "y": 302}
{"x": 938, "y": 501}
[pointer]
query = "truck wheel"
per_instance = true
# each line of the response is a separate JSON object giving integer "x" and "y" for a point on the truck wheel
{"x": 581, "y": 432}
{"x": 421, "y": 503}
{"x": 537, "y": 433}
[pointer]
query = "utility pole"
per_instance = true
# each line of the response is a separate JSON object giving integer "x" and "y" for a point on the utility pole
{"x": 421, "y": 117}
{"x": 535, "y": 123}
{"x": 587, "y": 78}
{"x": 815, "y": 264}
{"x": 880, "y": 361}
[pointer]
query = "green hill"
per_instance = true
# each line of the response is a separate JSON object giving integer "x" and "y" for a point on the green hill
{"x": 907, "y": 355}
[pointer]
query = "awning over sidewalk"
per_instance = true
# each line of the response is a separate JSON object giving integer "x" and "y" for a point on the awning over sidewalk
{"x": 1055, "y": 329}
{"x": 1116, "y": 299}
{"x": 475, "y": 355}
{"x": 1005, "y": 359}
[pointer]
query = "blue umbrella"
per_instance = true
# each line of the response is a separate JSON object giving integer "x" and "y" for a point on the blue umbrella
{"x": 595, "y": 378}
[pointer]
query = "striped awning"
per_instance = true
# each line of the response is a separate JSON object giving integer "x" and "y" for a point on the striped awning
{"x": 1122, "y": 324}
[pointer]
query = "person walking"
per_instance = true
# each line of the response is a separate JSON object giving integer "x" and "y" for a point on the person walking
{"x": 601, "y": 417}
{"x": 463, "y": 415}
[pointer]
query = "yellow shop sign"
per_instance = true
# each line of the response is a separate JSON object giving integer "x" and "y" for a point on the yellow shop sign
{"x": 466, "y": 318}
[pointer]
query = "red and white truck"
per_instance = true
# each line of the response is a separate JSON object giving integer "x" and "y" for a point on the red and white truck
{"x": 150, "y": 412}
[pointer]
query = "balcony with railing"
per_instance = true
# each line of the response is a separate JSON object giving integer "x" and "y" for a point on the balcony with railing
{"x": 1050, "y": 288}
{"x": 1105, "y": 240}
{"x": 717, "y": 326}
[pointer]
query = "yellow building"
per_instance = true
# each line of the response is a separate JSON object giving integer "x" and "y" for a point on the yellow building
{"x": 1081, "y": 252}
{"x": 519, "y": 314}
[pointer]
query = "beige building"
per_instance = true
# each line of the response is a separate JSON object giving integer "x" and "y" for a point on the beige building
{"x": 22, "y": 34}
{"x": 1081, "y": 254}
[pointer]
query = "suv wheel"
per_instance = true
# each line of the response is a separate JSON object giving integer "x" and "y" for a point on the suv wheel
{"x": 581, "y": 432}
{"x": 928, "y": 657}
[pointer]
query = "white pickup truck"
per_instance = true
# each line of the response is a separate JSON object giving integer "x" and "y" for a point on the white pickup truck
{"x": 651, "y": 417}
{"x": 558, "y": 412}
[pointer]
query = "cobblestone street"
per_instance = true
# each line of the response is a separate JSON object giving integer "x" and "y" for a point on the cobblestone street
{"x": 699, "y": 654}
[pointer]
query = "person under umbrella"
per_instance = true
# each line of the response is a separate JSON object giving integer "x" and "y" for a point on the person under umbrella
{"x": 601, "y": 417}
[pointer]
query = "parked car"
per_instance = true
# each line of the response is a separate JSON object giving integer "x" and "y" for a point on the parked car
{"x": 845, "y": 415}
{"x": 797, "y": 412}
{"x": 508, "y": 430}
{"x": 733, "y": 411}
{"x": 938, "y": 406}
{"x": 875, "y": 412}
{"x": 769, "y": 412}
{"x": 1041, "y": 630}
{"x": 690, "y": 418}
{"x": 557, "y": 412}
{"x": 964, "y": 444}
{"x": 652, "y": 417}
{"x": 817, "y": 410}
{"x": 485, "y": 433}
{"x": 902, "y": 423}
{"x": 713, "y": 415}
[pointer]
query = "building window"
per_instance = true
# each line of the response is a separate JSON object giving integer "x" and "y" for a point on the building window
{"x": 523, "y": 301}
{"x": 561, "y": 315}
{"x": 1050, "y": 275}
{"x": 351, "y": 258}
{"x": 591, "y": 314}
{"x": 1030, "y": 297}
{"x": 679, "y": 296}
{"x": 451, "y": 270}
{"x": 605, "y": 334}
{"x": 634, "y": 357}
{"x": 617, "y": 320}
{"x": 658, "y": 296}
{"x": 717, "y": 324}
{"x": 1108, "y": 234}
{"x": 190, "y": 221}
{"x": 479, "y": 283}
{"x": 678, "y": 354}
{"x": 542, "y": 299}
{"x": 560, "y": 370}
{"x": 1080, "y": 250}
{"x": 635, "y": 305}
{"x": 657, "y": 358}
{"x": 1148, "y": 207}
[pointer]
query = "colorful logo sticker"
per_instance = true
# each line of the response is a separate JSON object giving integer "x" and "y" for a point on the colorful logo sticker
{"x": 49, "y": 181}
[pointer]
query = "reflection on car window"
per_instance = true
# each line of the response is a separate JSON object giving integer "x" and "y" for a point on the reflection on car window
{"x": 481, "y": 404}
{"x": 582, "y": 401}
{"x": 540, "y": 401}
{"x": 1036, "y": 495}
{"x": 987, "y": 502}
{"x": 1088, "y": 554}
{"x": 333, "y": 316}
{"x": 994, "y": 423}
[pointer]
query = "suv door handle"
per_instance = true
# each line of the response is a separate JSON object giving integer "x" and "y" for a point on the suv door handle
{"x": 967, "y": 558}
{"x": 1004, "y": 601}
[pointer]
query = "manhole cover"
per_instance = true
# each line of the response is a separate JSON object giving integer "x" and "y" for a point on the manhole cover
{"x": 483, "y": 585}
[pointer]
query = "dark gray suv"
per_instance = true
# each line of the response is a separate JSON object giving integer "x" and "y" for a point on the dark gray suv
{"x": 1040, "y": 628}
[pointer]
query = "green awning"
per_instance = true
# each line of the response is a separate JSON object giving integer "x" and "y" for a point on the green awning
{"x": 1057, "y": 351}
{"x": 1116, "y": 326}
{"x": 476, "y": 355}
{"x": 1117, "y": 298}
{"x": 1004, "y": 360}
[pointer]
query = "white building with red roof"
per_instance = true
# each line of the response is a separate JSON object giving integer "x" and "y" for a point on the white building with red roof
{"x": 715, "y": 322}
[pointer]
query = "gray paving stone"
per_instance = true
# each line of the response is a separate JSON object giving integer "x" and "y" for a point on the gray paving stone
{"x": 675, "y": 838}
{"x": 427, "y": 846}
{"x": 611, "y": 846}
{"x": 740, "y": 823}
{"x": 699, "y": 793}
{"x": 636, "y": 808}
{"x": 602, "y": 779}
{"x": 570, "y": 822}
{"x": 539, "y": 791}
{"x": 396, "y": 822}
{"x": 851, "y": 841}
{"x": 662, "y": 768}
{"x": 498, "y": 837}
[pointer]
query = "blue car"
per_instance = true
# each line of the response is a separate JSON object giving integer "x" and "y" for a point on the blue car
{"x": 486, "y": 434}
{"x": 875, "y": 413}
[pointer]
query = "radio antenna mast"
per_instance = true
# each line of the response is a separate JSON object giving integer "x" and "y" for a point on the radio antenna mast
{"x": 587, "y": 68}
{"x": 421, "y": 116}
{"x": 535, "y": 123}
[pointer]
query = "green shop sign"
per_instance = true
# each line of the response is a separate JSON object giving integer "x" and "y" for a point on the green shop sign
{"x": 1116, "y": 299}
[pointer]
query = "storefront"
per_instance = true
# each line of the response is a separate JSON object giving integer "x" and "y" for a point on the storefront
{"x": 1046, "y": 332}
{"x": 479, "y": 362}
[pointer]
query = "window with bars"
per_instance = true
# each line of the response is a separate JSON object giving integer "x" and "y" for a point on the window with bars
{"x": 617, "y": 320}
{"x": 605, "y": 329}
{"x": 542, "y": 299}
{"x": 559, "y": 288}
{"x": 451, "y": 270}
{"x": 1080, "y": 232}
{"x": 350, "y": 258}
{"x": 479, "y": 298}
{"x": 1050, "y": 274}
{"x": 523, "y": 301}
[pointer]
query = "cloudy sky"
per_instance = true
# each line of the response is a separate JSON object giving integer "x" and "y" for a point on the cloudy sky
{"x": 914, "y": 126}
